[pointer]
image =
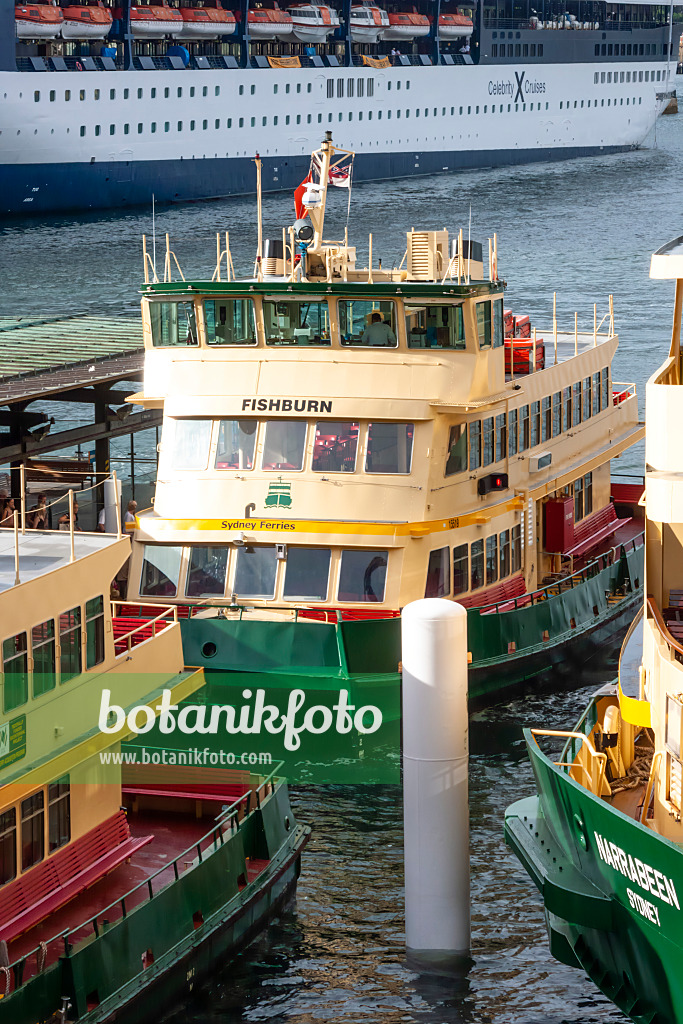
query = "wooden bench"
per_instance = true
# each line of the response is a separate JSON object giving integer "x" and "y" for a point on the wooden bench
{"x": 47, "y": 886}
{"x": 595, "y": 528}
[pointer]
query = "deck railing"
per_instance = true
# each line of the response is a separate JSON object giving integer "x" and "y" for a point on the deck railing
{"x": 594, "y": 771}
{"x": 162, "y": 621}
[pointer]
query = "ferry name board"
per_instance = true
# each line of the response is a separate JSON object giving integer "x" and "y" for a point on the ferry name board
{"x": 286, "y": 405}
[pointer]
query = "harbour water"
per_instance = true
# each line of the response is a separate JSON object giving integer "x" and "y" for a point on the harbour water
{"x": 583, "y": 229}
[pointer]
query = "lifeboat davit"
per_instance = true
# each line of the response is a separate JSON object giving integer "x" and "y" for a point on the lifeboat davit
{"x": 313, "y": 22}
{"x": 85, "y": 22}
{"x": 406, "y": 25}
{"x": 38, "y": 21}
{"x": 367, "y": 22}
{"x": 268, "y": 22}
{"x": 206, "y": 22}
{"x": 154, "y": 21}
{"x": 455, "y": 26}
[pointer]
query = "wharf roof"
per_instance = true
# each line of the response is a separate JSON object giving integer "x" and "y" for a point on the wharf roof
{"x": 41, "y": 552}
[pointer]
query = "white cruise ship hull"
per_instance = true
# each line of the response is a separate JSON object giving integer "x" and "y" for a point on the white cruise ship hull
{"x": 452, "y": 118}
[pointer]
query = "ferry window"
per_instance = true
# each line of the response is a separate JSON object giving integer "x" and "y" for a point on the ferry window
{"x": 43, "y": 653}
{"x": 283, "y": 449}
{"x": 605, "y": 387}
{"x": 59, "y": 813}
{"x": 578, "y": 499}
{"x": 512, "y": 432}
{"x": 94, "y": 632}
{"x": 557, "y": 413}
{"x": 535, "y": 424}
{"x": 497, "y": 305}
{"x": 15, "y": 671}
{"x": 186, "y": 442}
{"x": 207, "y": 571}
{"x": 439, "y": 573}
{"x": 484, "y": 324}
{"x": 567, "y": 408}
{"x": 596, "y": 393}
{"x": 290, "y": 322}
{"x": 487, "y": 437}
{"x": 491, "y": 559}
{"x": 475, "y": 444}
{"x": 230, "y": 322}
{"x": 255, "y": 572}
{"x": 546, "y": 418}
{"x": 126, "y": 129}
{"x": 435, "y": 327}
{"x": 516, "y": 549}
{"x": 32, "y": 830}
{"x": 390, "y": 448}
{"x": 8, "y": 845}
{"x": 330, "y": 88}
{"x": 173, "y": 323}
{"x": 340, "y": 88}
{"x": 307, "y": 574}
{"x": 70, "y": 644}
{"x": 457, "y": 449}
{"x": 366, "y": 322}
{"x": 501, "y": 439}
{"x": 586, "y": 398}
{"x": 524, "y": 428}
{"x": 160, "y": 571}
{"x": 576, "y": 402}
{"x": 504, "y": 552}
{"x": 363, "y": 575}
{"x": 477, "y": 564}
{"x": 460, "y": 569}
{"x": 588, "y": 494}
{"x": 335, "y": 446}
{"x": 236, "y": 443}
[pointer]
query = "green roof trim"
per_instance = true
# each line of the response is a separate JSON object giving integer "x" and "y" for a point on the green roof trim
{"x": 382, "y": 289}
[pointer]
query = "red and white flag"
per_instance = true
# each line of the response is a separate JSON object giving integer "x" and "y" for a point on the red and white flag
{"x": 340, "y": 176}
{"x": 299, "y": 208}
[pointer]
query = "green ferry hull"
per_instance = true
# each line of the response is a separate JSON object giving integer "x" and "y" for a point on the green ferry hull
{"x": 601, "y": 918}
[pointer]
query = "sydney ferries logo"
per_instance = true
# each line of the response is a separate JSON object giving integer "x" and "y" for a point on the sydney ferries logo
{"x": 519, "y": 90}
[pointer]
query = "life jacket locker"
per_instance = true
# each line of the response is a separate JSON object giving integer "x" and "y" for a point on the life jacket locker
{"x": 523, "y": 349}
{"x": 522, "y": 327}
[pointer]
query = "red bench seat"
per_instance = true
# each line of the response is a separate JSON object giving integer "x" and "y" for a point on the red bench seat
{"x": 594, "y": 529}
{"x": 47, "y": 886}
{"x": 507, "y": 590}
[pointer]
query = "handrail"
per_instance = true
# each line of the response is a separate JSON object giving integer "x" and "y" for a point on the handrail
{"x": 650, "y": 784}
{"x": 598, "y": 755}
{"x": 169, "y": 609}
{"x": 147, "y": 882}
{"x": 661, "y": 625}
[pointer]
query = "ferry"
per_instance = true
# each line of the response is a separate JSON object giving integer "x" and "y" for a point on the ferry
{"x": 121, "y": 888}
{"x": 172, "y": 99}
{"x": 339, "y": 440}
{"x": 602, "y": 839}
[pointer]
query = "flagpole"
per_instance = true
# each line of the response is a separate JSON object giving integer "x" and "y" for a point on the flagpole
{"x": 259, "y": 215}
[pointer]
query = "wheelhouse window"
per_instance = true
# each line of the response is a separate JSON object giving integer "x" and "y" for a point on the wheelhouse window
{"x": 173, "y": 323}
{"x": 236, "y": 444}
{"x": 371, "y": 324}
{"x": 43, "y": 651}
{"x": 461, "y": 567}
{"x": 15, "y": 671}
{"x": 457, "y": 449}
{"x": 207, "y": 571}
{"x": 8, "y": 845}
{"x": 439, "y": 573}
{"x": 390, "y": 448}
{"x": 491, "y": 559}
{"x": 255, "y": 571}
{"x": 363, "y": 575}
{"x": 284, "y": 446}
{"x": 160, "y": 571}
{"x": 484, "y": 324}
{"x": 230, "y": 322}
{"x": 32, "y": 830}
{"x": 477, "y": 564}
{"x": 70, "y": 644}
{"x": 435, "y": 327}
{"x": 187, "y": 442}
{"x": 58, "y": 813}
{"x": 498, "y": 332}
{"x": 290, "y": 322}
{"x": 307, "y": 574}
{"x": 335, "y": 447}
{"x": 94, "y": 632}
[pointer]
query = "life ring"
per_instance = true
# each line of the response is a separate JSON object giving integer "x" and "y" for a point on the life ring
{"x": 79, "y": 66}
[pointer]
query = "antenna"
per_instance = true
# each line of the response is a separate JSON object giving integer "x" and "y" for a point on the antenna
{"x": 469, "y": 246}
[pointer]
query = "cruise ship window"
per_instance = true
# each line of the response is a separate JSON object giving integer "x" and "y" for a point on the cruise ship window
{"x": 525, "y": 50}
{"x": 82, "y": 130}
{"x": 126, "y": 93}
{"x": 309, "y": 118}
{"x": 241, "y": 122}
{"x": 228, "y": 123}
{"x": 540, "y": 49}
{"x": 253, "y": 122}
{"x": 217, "y": 90}
{"x": 439, "y": 573}
{"x": 335, "y": 446}
{"x": 487, "y": 441}
{"x": 576, "y": 403}
{"x": 491, "y": 559}
{"x": 67, "y": 95}
{"x": 191, "y": 90}
{"x": 504, "y": 552}
{"x": 475, "y": 444}
{"x": 298, "y": 88}
{"x": 371, "y": 323}
{"x": 510, "y": 48}
{"x": 398, "y": 85}
{"x": 298, "y": 118}
{"x": 628, "y": 54}
{"x": 484, "y": 324}
{"x": 390, "y": 448}
{"x": 53, "y": 95}
{"x": 587, "y": 398}
{"x": 371, "y": 87}
{"x": 81, "y": 94}
{"x": 340, "y": 87}
{"x": 517, "y": 50}
{"x": 609, "y": 77}
{"x": 546, "y": 419}
{"x": 255, "y": 571}
{"x": 309, "y": 87}
{"x": 524, "y": 428}
{"x": 501, "y": 437}
{"x": 152, "y": 93}
{"x": 557, "y": 413}
{"x": 362, "y": 575}
{"x": 430, "y": 326}
{"x": 236, "y": 444}
{"x": 284, "y": 446}
{"x": 43, "y": 653}
{"x": 139, "y": 94}
{"x": 160, "y": 570}
{"x": 58, "y": 813}
{"x": 186, "y": 443}
{"x": 94, "y": 632}
{"x": 264, "y": 121}
{"x": 294, "y": 322}
{"x": 476, "y": 564}
{"x": 167, "y": 126}
{"x": 621, "y": 76}
{"x": 596, "y": 78}
{"x": 533, "y": 50}
{"x": 307, "y": 573}
{"x": 206, "y": 571}
{"x": 216, "y": 123}
{"x": 8, "y": 845}
{"x": 167, "y": 92}
{"x": 126, "y": 129}
{"x": 408, "y": 85}
{"x": 457, "y": 450}
{"x": 205, "y": 90}
{"x": 512, "y": 432}
{"x": 32, "y": 830}
{"x": 15, "y": 671}
{"x": 287, "y": 88}
{"x": 461, "y": 569}
{"x": 112, "y": 94}
{"x": 535, "y": 424}
{"x": 604, "y": 50}
{"x": 349, "y": 88}
{"x": 241, "y": 90}
{"x": 70, "y": 644}
{"x": 153, "y": 127}
{"x": 609, "y": 49}
{"x": 494, "y": 49}
{"x": 330, "y": 88}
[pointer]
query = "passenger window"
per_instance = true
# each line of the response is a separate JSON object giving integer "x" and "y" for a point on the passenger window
{"x": 230, "y": 322}
{"x": 512, "y": 432}
{"x": 173, "y": 323}
{"x": 439, "y": 573}
{"x": 307, "y": 574}
{"x": 8, "y": 845}
{"x": 461, "y": 572}
{"x": 586, "y": 398}
{"x": 576, "y": 402}
{"x": 296, "y": 323}
{"x": 487, "y": 441}
{"x": 516, "y": 549}
{"x": 369, "y": 323}
{"x": 501, "y": 439}
{"x": 524, "y": 429}
{"x": 207, "y": 571}
{"x": 255, "y": 572}
{"x": 335, "y": 446}
{"x": 491, "y": 559}
{"x": 390, "y": 448}
{"x": 484, "y": 324}
{"x": 363, "y": 575}
{"x": 236, "y": 443}
{"x": 457, "y": 449}
{"x": 477, "y": 564}
{"x": 94, "y": 632}
{"x": 435, "y": 327}
{"x": 504, "y": 550}
{"x": 557, "y": 413}
{"x": 43, "y": 652}
{"x": 59, "y": 813}
{"x": 15, "y": 671}
{"x": 186, "y": 443}
{"x": 596, "y": 393}
{"x": 283, "y": 449}
{"x": 70, "y": 644}
{"x": 160, "y": 571}
{"x": 475, "y": 444}
{"x": 498, "y": 332}
{"x": 32, "y": 830}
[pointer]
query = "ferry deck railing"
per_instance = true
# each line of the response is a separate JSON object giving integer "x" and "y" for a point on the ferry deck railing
{"x": 594, "y": 771}
{"x": 145, "y": 631}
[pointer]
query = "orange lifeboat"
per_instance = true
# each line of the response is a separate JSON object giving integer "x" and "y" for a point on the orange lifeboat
{"x": 268, "y": 22}
{"x": 86, "y": 22}
{"x": 206, "y": 22}
{"x": 38, "y": 21}
{"x": 455, "y": 26}
{"x": 153, "y": 21}
{"x": 406, "y": 25}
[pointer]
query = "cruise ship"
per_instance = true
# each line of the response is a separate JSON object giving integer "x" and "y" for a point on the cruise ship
{"x": 105, "y": 107}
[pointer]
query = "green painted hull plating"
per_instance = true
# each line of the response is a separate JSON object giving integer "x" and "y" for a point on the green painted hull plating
{"x": 622, "y": 927}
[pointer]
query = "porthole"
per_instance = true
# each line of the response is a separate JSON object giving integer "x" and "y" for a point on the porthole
{"x": 209, "y": 649}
